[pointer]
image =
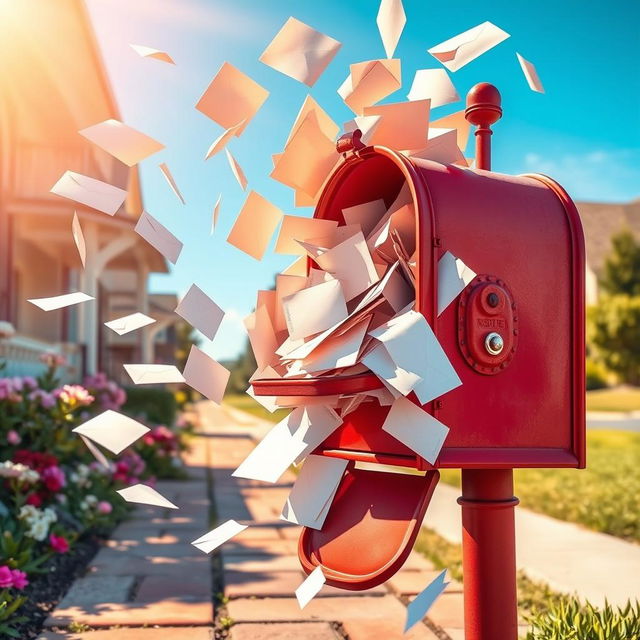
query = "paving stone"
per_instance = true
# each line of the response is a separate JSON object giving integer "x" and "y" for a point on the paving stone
{"x": 417, "y": 561}
{"x": 448, "y": 611}
{"x": 97, "y": 589}
{"x": 241, "y": 584}
{"x": 131, "y": 565}
{"x": 174, "y": 611}
{"x": 260, "y": 563}
{"x": 242, "y": 545}
{"x": 329, "y": 609}
{"x": 164, "y": 633}
{"x": 410, "y": 583}
{"x": 154, "y": 588}
{"x": 285, "y": 631}
{"x": 362, "y": 629}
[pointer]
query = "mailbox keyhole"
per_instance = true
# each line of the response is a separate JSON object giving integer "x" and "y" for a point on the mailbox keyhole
{"x": 493, "y": 300}
{"x": 493, "y": 343}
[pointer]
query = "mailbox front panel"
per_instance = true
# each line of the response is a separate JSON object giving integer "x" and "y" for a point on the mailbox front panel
{"x": 522, "y": 232}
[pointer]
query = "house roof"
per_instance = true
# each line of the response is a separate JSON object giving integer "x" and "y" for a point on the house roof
{"x": 601, "y": 221}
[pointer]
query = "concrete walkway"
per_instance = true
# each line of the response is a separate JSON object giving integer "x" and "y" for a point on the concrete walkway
{"x": 614, "y": 420}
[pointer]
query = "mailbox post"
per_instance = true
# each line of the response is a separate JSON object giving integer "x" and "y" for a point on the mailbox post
{"x": 487, "y": 501}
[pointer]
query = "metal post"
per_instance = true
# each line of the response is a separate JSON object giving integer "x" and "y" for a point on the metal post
{"x": 488, "y": 524}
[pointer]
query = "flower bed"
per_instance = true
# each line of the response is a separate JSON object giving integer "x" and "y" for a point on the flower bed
{"x": 55, "y": 498}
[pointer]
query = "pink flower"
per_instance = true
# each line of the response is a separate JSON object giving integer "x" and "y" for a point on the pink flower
{"x": 6, "y": 579}
{"x": 19, "y": 579}
{"x": 13, "y": 437}
{"x": 58, "y": 543}
{"x": 47, "y": 400}
{"x": 104, "y": 507}
{"x": 75, "y": 395}
{"x": 54, "y": 478}
{"x": 52, "y": 359}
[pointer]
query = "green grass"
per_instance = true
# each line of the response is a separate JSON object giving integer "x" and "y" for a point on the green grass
{"x": 604, "y": 497}
{"x": 246, "y": 403}
{"x": 618, "y": 399}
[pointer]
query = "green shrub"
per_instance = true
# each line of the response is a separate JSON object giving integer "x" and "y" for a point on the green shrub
{"x": 596, "y": 375}
{"x": 567, "y": 619}
{"x": 154, "y": 404}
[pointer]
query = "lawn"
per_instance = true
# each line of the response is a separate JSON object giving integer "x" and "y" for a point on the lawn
{"x": 616, "y": 399}
{"x": 246, "y": 403}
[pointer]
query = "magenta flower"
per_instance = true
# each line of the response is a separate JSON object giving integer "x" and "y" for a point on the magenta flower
{"x": 6, "y": 578}
{"x": 19, "y": 579}
{"x": 13, "y": 437}
{"x": 104, "y": 507}
{"x": 53, "y": 478}
{"x": 58, "y": 543}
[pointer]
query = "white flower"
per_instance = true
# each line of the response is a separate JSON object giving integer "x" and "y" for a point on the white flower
{"x": 91, "y": 500}
{"x": 38, "y": 521}
{"x": 20, "y": 471}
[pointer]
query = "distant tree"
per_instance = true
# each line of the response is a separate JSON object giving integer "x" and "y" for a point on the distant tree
{"x": 185, "y": 337}
{"x": 621, "y": 274}
{"x": 242, "y": 370}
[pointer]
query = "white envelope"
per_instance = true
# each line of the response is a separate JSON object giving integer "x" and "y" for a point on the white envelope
{"x": 530, "y": 74}
{"x": 144, "y": 494}
{"x": 416, "y": 429}
{"x": 199, "y": 310}
{"x": 129, "y": 323}
{"x": 170, "y": 181}
{"x": 310, "y": 587}
{"x": 90, "y": 192}
{"x": 149, "y": 52}
{"x": 78, "y": 238}
{"x": 205, "y": 375}
{"x": 121, "y": 141}
{"x": 369, "y": 82}
{"x": 315, "y": 309}
{"x": 153, "y": 373}
{"x": 58, "y": 302}
{"x": 434, "y": 85}
{"x": 442, "y": 146}
{"x": 453, "y": 277}
{"x": 215, "y": 214}
{"x": 212, "y": 540}
{"x": 458, "y": 51}
{"x": 391, "y": 20}
{"x": 236, "y": 169}
{"x": 300, "y": 52}
{"x": 315, "y": 486}
{"x": 221, "y": 141}
{"x": 97, "y": 454}
{"x": 397, "y": 380}
{"x": 112, "y": 430}
{"x": 366, "y": 215}
{"x": 159, "y": 237}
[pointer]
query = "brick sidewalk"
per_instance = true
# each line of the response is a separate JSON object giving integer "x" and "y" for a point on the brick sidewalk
{"x": 149, "y": 574}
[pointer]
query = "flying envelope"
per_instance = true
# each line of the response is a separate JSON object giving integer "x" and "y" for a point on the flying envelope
{"x": 434, "y": 85}
{"x": 530, "y": 74}
{"x": 59, "y": 302}
{"x": 212, "y": 540}
{"x": 300, "y": 52}
{"x": 149, "y": 52}
{"x": 369, "y": 82}
{"x": 153, "y": 373}
{"x": 90, "y": 192}
{"x": 199, "y": 310}
{"x": 159, "y": 237}
{"x": 129, "y": 323}
{"x": 391, "y": 20}
{"x": 143, "y": 494}
{"x": 221, "y": 141}
{"x": 215, "y": 214}
{"x": 237, "y": 171}
{"x": 112, "y": 430}
{"x": 172, "y": 183}
{"x": 78, "y": 238}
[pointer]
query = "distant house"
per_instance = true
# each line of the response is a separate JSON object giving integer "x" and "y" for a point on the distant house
{"x": 601, "y": 221}
{"x": 52, "y": 84}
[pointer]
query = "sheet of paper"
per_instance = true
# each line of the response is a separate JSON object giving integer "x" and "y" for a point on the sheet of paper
{"x": 112, "y": 430}
{"x": 455, "y": 121}
{"x": 236, "y": 169}
{"x": 367, "y": 126}
{"x": 215, "y": 215}
{"x": 398, "y": 381}
{"x": 453, "y": 277}
{"x": 170, "y": 181}
{"x": 366, "y": 215}
{"x": 412, "y": 346}
{"x": 300, "y": 52}
{"x": 458, "y": 51}
{"x": 144, "y": 494}
{"x": 125, "y": 324}
{"x": 326, "y": 125}
{"x": 149, "y": 52}
{"x": 434, "y": 85}
{"x": 268, "y": 402}
{"x": 90, "y": 192}
{"x": 350, "y": 262}
{"x": 262, "y": 336}
{"x": 59, "y": 302}
{"x": 218, "y": 536}
{"x": 289, "y": 441}
{"x": 297, "y": 228}
{"x": 285, "y": 286}
{"x": 307, "y": 159}
{"x": 338, "y": 351}
{"x": 530, "y": 74}
{"x": 121, "y": 141}
{"x": 416, "y": 429}
{"x": 255, "y": 225}
{"x": 96, "y": 453}
{"x": 159, "y": 237}
{"x": 315, "y": 309}
{"x": 314, "y": 486}
{"x": 396, "y": 237}
{"x": 403, "y": 125}
{"x": 221, "y": 141}
{"x": 369, "y": 82}
{"x": 232, "y": 97}
{"x": 153, "y": 373}
{"x": 199, "y": 310}
{"x": 78, "y": 238}
{"x": 205, "y": 375}
{"x": 442, "y": 146}
{"x": 418, "y": 608}
{"x": 311, "y": 586}
{"x": 391, "y": 20}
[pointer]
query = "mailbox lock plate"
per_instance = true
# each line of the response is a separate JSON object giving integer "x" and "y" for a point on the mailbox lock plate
{"x": 487, "y": 325}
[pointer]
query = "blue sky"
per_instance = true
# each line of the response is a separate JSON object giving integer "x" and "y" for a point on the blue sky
{"x": 585, "y": 131}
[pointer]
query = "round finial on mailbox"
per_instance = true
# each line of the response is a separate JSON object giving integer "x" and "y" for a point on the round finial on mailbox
{"x": 483, "y": 109}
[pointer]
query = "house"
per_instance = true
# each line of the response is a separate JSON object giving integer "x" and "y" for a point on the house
{"x": 601, "y": 221}
{"x": 53, "y": 83}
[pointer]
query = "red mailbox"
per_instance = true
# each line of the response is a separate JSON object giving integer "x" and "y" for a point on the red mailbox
{"x": 515, "y": 337}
